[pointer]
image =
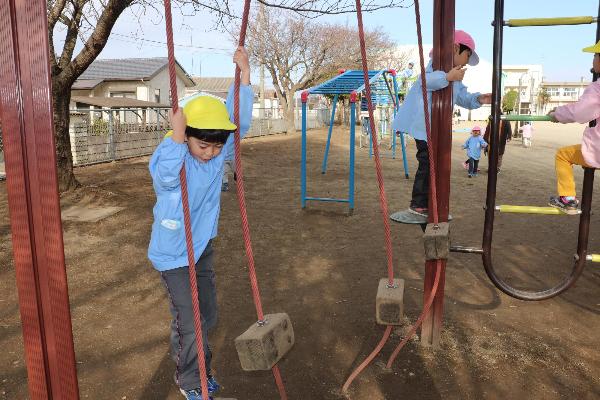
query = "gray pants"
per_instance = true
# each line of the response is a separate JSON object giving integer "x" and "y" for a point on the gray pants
{"x": 183, "y": 338}
{"x": 228, "y": 168}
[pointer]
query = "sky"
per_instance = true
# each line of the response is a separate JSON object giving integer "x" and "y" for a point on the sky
{"x": 206, "y": 52}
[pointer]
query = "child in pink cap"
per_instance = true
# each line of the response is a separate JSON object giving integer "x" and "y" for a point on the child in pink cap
{"x": 411, "y": 116}
{"x": 586, "y": 154}
{"x": 473, "y": 145}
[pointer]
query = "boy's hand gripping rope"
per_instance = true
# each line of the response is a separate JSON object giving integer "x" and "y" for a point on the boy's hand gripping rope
{"x": 186, "y": 211}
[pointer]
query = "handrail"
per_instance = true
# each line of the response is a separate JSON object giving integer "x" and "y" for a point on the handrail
{"x": 527, "y": 117}
{"x": 521, "y": 22}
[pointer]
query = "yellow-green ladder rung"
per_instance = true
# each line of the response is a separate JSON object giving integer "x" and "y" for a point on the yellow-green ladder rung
{"x": 550, "y": 21}
{"x": 593, "y": 257}
{"x": 531, "y": 210}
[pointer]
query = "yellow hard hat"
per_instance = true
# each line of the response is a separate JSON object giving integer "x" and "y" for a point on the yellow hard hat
{"x": 206, "y": 112}
{"x": 593, "y": 49}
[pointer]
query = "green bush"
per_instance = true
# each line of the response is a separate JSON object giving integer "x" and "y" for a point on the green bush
{"x": 99, "y": 127}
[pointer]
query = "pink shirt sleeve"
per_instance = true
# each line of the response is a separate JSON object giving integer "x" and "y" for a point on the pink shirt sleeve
{"x": 585, "y": 110}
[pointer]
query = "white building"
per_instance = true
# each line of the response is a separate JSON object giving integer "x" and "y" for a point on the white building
{"x": 562, "y": 93}
{"x": 526, "y": 80}
{"x": 142, "y": 79}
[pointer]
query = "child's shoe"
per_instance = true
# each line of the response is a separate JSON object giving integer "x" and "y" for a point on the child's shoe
{"x": 194, "y": 394}
{"x": 465, "y": 165}
{"x": 213, "y": 385}
{"x": 225, "y": 187}
{"x": 470, "y": 175}
{"x": 568, "y": 206}
{"x": 423, "y": 212}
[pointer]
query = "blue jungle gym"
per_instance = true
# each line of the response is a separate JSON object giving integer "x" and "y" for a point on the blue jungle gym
{"x": 384, "y": 94}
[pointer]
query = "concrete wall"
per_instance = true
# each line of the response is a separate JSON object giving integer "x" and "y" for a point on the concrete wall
{"x": 161, "y": 81}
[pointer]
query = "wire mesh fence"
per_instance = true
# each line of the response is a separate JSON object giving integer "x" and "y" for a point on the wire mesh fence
{"x": 107, "y": 135}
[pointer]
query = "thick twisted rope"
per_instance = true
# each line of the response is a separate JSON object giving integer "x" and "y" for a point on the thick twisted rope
{"x": 186, "y": 211}
{"x": 382, "y": 197}
{"x": 242, "y": 197}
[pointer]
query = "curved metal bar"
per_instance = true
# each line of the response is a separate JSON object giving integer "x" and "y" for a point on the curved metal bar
{"x": 588, "y": 185}
{"x": 580, "y": 258}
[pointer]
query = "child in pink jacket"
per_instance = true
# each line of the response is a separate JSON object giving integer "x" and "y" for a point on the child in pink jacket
{"x": 586, "y": 154}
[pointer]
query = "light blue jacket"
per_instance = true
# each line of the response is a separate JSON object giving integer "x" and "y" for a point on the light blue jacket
{"x": 167, "y": 249}
{"x": 411, "y": 118}
{"x": 474, "y": 144}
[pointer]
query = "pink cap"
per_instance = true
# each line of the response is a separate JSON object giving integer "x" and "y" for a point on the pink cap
{"x": 462, "y": 37}
{"x": 476, "y": 128}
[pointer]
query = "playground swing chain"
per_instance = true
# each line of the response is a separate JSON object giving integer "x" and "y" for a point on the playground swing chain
{"x": 241, "y": 198}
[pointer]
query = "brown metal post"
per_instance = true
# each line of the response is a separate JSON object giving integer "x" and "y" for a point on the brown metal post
{"x": 441, "y": 131}
{"x": 32, "y": 186}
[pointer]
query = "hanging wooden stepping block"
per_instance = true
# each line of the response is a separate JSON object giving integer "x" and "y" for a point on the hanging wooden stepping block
{"x": 389, "y": 303}
{"x": 265, "y": 342}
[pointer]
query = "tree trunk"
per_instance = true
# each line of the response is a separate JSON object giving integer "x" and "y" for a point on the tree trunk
{"x": 289, "y": 108}
{"x": 61, "y": 97}
{"x": 290, "y": 119}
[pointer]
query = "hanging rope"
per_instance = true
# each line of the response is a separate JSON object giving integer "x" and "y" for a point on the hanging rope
{"x": 186, "y": 211}
{"x": 433, "y": 191}
{"x": 383, "y": 200}
{"x": 382, "y": 197}
{"x": 242, "y": 198}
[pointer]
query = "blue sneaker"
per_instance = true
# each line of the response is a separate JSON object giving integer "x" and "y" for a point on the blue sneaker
{"x": 195, "y": 394}
{"x": 213, "y": 385}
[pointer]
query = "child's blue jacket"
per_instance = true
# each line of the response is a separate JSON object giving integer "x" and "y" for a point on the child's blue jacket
{"x": 167, "y": 249}
{"x": 411, "y": 118}
{"x": 474, "y": 144}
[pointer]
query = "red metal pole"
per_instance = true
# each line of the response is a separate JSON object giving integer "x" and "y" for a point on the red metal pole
{"x": 32, "y": 186}
{"x": 441, "y": 131}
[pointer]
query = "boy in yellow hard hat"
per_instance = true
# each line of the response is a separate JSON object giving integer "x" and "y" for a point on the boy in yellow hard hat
{"x": 586, "y": 154}
{"x": 201, "y": 136}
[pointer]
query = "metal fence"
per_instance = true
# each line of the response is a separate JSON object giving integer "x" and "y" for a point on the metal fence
{"x": 107, "y": 135}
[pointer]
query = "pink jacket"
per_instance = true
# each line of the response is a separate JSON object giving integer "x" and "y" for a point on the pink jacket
{"x": 584, "y": 111}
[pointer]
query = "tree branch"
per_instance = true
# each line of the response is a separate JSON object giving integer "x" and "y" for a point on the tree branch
{"x": 97, "y": 40}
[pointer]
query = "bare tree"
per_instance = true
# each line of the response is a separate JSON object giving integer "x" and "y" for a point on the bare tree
{"x": 307, "y": 8}
{"x": 299, "y": 53}
{"x": 91, "y": 21}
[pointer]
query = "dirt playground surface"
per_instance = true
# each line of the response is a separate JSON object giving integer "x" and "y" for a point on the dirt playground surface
{"x": 322, "y": 267}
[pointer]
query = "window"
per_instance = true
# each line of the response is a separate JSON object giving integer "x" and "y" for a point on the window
{"x": 127, "y": 95}
{"x": 157, "y": 95}
{"x": 570, "y": 92}
{"x": 553, "y": 91}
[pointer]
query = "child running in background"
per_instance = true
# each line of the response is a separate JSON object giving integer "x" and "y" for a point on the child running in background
{"x": 527, "y": 132}
{"x": 474, "y": 144}
{"x": 411, "y": 117}
{"x": 586, "y": 154}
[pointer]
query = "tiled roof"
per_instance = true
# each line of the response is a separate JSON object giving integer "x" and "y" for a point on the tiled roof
{"x": 126, "y": 69}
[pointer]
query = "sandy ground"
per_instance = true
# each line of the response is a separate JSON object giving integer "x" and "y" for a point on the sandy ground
{"x": 322, "y": 267}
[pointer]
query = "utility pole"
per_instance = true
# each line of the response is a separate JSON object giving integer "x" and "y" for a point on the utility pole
{"x": 261, "y": 96}
{"x": 261, "y": 112}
